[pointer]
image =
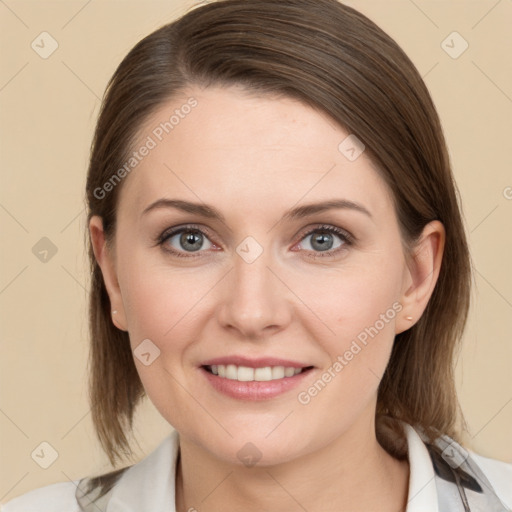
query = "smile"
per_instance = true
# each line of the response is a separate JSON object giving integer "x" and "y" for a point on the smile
{"x": 254, "y": 384}
{"x": 248, "y": 374}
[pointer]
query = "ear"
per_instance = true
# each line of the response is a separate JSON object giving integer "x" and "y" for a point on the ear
{"x": 106, "y": 262}
{"x": 421, "y": 273}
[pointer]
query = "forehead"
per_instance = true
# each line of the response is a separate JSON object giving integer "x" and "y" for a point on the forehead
{"x": 226, "y": 146}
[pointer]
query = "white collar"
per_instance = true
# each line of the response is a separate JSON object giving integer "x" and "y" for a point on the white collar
{"x": 422, "y": 486}
{"x": 150, "y": 484}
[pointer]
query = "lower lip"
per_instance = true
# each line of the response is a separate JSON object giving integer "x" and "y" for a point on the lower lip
{"x": 254, "y": 390}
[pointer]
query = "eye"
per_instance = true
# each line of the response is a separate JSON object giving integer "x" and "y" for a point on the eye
{"x": 322, "y": 241}
{"x": 185, "y": 239}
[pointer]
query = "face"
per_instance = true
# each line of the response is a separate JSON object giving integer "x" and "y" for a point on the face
{"x": 249, "y": 283}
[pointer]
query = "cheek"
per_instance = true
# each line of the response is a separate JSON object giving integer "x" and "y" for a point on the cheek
{"x": 160, "y": 306}
{"x": 356, "y": 296}
{"x": 357, "y": 346}
{"x": 161, "y": 302}
{"x": 357, "y": 308}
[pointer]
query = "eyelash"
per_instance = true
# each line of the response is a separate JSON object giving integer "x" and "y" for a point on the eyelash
{"x": 346, "y": 237}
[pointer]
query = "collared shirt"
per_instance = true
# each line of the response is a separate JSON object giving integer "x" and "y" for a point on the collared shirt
{"x": 148, "y": 486}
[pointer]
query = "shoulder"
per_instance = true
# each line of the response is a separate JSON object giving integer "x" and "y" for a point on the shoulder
{"x": 492, "y": 474}
{"x": 59, "y": 497}
{"x": 499, "y": 474}
{"x": 72, "y": 496}
{"x": 92, "y": 494}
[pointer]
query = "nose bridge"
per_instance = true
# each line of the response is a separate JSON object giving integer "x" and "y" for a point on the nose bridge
{"x": 251, "y": 272}
{"x": 255, "y": 299}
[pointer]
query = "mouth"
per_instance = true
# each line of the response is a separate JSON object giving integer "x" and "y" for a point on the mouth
{"x": 249, "y": 383}
{"x": 249, "y": 374}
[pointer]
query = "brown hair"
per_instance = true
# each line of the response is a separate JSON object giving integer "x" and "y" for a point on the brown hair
{"x": 335, "y": 59}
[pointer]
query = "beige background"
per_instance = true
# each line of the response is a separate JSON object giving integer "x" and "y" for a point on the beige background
{"x": 48, "y": 109}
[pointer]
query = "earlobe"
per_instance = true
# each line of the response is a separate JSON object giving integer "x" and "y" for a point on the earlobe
{"x": 108, "y": 269}
{"x": 421, "y": 274}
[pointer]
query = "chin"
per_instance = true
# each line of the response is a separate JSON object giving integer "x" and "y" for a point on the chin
{"x": 255, "y": 450}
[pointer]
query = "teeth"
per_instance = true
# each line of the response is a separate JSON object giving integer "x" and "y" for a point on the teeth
{"x": 262, "y": 374}
{"x": 289, "y": 372}
{"x": 247, "y": 374}
{"x": 244, "y": 374}
{"x": 277, "y": 372}
{"x": 231, "y": 372}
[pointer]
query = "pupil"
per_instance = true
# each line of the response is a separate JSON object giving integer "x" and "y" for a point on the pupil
{"x": 190, "y": 237}
{"x": 323, "y": 241}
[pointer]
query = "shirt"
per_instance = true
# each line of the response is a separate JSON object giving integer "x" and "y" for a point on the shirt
{"x": 148, "y": 486}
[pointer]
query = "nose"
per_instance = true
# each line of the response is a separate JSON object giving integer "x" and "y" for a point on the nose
{"x": 256, "y": 302}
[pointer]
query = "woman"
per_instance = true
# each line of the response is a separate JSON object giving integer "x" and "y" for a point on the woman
{"x": 302, "y": 346}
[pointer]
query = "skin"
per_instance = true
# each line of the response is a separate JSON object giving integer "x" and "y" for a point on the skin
{"x": 253, "y": 158}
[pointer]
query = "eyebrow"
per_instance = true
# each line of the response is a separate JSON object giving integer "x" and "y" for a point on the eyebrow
{"x": 300, "y": 212}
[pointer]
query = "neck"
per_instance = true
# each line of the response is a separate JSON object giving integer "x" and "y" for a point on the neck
{"x": 352, "y": 472}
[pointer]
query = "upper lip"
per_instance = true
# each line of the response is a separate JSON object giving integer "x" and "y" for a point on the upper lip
{"x": 260, "y": 362}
